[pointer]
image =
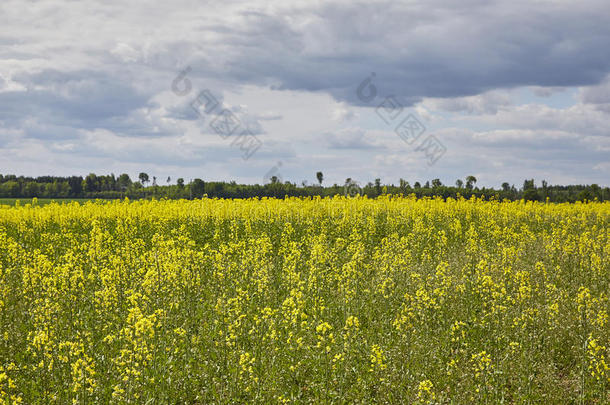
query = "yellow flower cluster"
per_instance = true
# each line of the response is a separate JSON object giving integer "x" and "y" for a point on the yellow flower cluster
{"x": 316, "y": 300}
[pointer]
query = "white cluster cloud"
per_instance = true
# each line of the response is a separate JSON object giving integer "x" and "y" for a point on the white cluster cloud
{"x": 86, "y": 86}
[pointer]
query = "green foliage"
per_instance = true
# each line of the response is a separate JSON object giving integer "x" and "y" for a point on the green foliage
{"x": 306, "y": 301}
{"x": 109, "y": 187}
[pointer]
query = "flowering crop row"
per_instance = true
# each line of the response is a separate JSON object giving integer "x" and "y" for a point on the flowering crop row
{"x": 392, "y": 300}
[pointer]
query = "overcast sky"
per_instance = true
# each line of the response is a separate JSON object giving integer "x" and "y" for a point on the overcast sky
{"x": 502, "y": 90}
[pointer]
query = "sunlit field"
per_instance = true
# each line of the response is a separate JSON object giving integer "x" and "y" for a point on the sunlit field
{"x": 393, "y": 300}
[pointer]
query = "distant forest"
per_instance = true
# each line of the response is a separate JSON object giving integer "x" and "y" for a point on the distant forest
{"x": 112, "y": 187}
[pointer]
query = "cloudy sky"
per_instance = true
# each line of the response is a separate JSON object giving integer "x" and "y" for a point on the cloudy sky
{"x": 223, "y": 90}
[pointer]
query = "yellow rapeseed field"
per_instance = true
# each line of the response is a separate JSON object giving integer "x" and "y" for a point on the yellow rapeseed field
{"x": 392, "y": 300}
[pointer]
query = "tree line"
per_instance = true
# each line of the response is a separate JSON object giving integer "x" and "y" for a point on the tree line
{"x": 111, "y": 186}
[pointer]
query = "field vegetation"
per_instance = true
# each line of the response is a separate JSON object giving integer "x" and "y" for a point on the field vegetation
{"x": 319, "y": 300}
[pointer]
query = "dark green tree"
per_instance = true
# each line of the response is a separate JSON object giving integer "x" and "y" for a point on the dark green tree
{"x": 197, "y": 188}
{"x": 123, "y": 182}
{"x": 11, "y": 188}
{"x": 92, "y": 183}
{"x": 76, "y": 186}
{"x": 31, "y": 189}
{"x": 470, "y": 182}
{"x": 378, "y": 186}
{"x": 143, "y": 178}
